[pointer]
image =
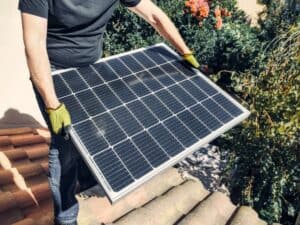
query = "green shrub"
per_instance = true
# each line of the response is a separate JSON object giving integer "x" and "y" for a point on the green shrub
{"x": 266, "y": 148}
{"x": 277, "y": 17}
{"x": 233, "y": 47}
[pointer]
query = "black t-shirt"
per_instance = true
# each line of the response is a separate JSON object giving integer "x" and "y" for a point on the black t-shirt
{"x": 75, "y": 27}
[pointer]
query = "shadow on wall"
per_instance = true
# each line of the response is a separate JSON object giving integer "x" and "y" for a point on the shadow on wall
{"x": 13, "y": 118}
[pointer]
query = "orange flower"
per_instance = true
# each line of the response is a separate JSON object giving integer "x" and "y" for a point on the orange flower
{"x": 217, "y": 11}
{"x": 219, "y": 23}
{"x": 204, "y": 11}
{"x": 198, "y": 7}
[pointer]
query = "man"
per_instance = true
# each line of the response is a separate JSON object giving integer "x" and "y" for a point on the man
{"x": 69, "y": 33}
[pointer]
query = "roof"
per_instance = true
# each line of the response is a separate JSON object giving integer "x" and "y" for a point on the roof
{"x": 24, "y": 189}
{"x": 169, "y": 198}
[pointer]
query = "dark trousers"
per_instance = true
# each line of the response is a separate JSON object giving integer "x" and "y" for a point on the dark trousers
{"x": 65, "y": 168}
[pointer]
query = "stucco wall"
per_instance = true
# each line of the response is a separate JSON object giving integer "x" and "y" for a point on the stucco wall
{"x": 251, "y": 8}
{"x": 17, "y": 103}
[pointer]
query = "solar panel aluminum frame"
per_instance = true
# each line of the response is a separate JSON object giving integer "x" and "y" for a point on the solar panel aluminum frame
{"x": 115, "y": 196}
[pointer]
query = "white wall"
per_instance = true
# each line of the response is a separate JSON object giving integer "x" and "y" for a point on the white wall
{"x": 17, "y": 104}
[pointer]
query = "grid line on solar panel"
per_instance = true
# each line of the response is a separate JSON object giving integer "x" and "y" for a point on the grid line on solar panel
{"x": 183, "y": 94}
{"x": 74, "y": 105}
{"x": 61, "y": 87}
{"x": 133, "y": 159}
{"x": 74, "y": 81}
{"x": 88, "y": 99}
{"x": 144, "y": 112}
{"x": 90, "y": 76}
{"x": 193, "y": 90}
{"x": 120, "y": 171}
{"x": 136, "y": 86}
{"x": 179, "y": 130}
{"x": 166, "y": 139}
{"x": 148, "y": 80}
{"x": 114, "y": 78}
{"x": 227, "y": 105}
{"x": 164, "y": 85}
{"x": 105, "y": 71}
{"x": 127, "y": 121}
{"x": 119, "y": 68}
{"x": 93, "y": 140}
{"x": 105, "y": 137}
{"x": 111, "y": 130}
{"x": 173, "y": 72}
{"x": 189, "y": 85}
{"x": 131, "y": 63}
{"x": 121, "y": 89}
{"x": 160, "y": 75}
{"x": 143, "y": 59}
{"x": 206, "y": 117}
{"x": 187, "y": 72}
{"x": 165, "y": 53}
{"x": 157, "y": 107}
{"x": 174, "y": 95}
{"x": 181, "y": 66}
{"x": 203, "y": 85}
{"x": 215, "y": 109}
{"x": 109, "y": 138}
{"x": 196, "y": 126}
{"x": 117, "y": 106}
{"x": 153, "y": 56}
{"x": 150, "y": 149}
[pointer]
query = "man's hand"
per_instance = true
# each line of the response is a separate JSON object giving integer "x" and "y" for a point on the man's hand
{"x": 60, "y": 119}
{"x": 190, "y": 59}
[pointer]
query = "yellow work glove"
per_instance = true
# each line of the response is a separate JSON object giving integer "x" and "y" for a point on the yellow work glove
{"x": 190, "y": 59}
{"x": 60, "y": 119}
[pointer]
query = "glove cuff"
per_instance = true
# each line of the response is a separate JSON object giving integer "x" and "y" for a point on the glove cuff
{"x": 57, "y": 108}
{"x": 187, "y": 55}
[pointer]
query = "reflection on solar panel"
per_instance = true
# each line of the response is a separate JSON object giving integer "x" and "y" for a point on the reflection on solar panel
{"x": 137, "y": 113}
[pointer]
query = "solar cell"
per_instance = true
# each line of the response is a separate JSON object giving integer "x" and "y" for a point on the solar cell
{"x": 137, "y": 113}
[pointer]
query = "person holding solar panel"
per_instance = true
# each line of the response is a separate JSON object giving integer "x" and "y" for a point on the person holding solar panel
{"x": 69, "y": 33}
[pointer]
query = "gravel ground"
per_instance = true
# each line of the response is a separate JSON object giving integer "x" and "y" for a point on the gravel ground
{"x": 206, "y": 164}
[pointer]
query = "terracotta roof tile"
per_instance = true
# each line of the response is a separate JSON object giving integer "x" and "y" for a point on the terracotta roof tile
{"x": 7, "y": 201}
{"x": 5, "y": 177}
{"x": 26, "y": 139}
{"x": 11, "y": 216}
{"x": 36, "y": 151}
{"x": 14, "y": 131}
{"x": 4, "y": 141}
{"x": 25, "y": 222}
{"x": 25, "y": 196}
{"x": 167, "y": 199}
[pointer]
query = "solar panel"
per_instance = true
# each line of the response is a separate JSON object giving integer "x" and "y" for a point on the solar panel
{"x": 137, "y": 113}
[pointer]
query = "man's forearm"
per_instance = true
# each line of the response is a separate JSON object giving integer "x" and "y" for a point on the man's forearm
{"x": 39, "y": 67}
{"x": 34, "y": 36}
{"x": 162, "y": 23}
{"x": 167, "y": 29}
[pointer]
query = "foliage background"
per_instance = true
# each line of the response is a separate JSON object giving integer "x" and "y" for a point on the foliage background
{"x": 260, "y": 66}
{"x": 233, "y": 47}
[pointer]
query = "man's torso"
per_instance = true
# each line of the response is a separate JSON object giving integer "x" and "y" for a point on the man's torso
{"x": 75, "y": 30}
